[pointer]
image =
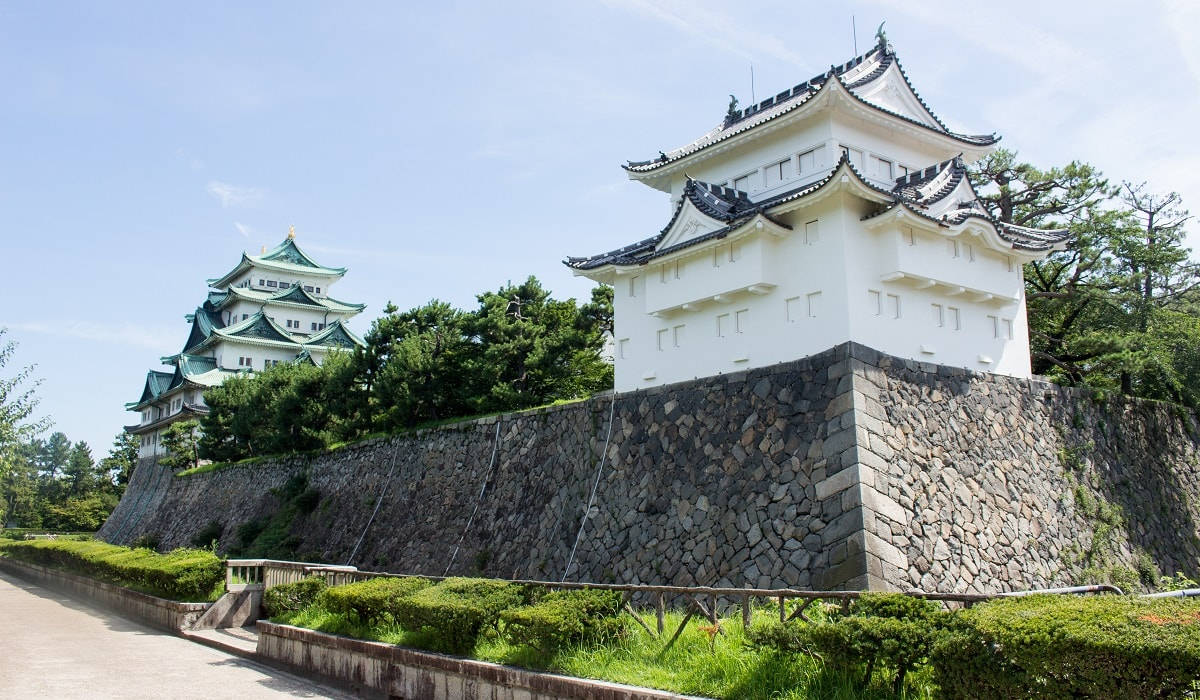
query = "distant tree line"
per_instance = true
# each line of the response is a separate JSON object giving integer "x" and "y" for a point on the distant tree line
{"x": 52, "y": 483}
{"x": 57, "y": 485}
{"x": 517, "y": 349}
{"x": 1119, "y": 310}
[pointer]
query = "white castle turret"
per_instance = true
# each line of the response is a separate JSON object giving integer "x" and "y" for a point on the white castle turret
{"x": 838, "y": 210}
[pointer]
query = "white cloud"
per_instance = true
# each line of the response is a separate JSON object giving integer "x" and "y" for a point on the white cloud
{"x": 243, "y": 229}
{"x": 116, "y": 334}
{"x": 232, "y": 195}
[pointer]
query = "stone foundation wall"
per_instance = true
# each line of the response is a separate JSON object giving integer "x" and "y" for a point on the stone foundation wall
{"x": 847, "y": 469}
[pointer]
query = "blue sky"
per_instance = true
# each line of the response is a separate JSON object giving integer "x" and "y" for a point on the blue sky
{"x": 439, "y": 149}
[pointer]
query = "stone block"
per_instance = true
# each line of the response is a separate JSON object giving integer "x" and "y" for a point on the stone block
{"x": 837, "y": 483}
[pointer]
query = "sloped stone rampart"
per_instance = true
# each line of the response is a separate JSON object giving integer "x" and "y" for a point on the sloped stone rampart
{"x": 847, "y": 469}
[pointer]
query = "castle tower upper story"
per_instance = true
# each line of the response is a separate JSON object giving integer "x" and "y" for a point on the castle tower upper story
{"x": 270, "y": 308}
{"x": 838, "y": 210}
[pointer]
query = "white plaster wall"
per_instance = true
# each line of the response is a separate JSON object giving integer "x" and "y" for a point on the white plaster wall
{"x": 227, "y": 355}
{"x": 306, "y": 317}
{"x": 842, "y": 264}
{"x": 916, "y": 333}
{"x": 777, "y": 326}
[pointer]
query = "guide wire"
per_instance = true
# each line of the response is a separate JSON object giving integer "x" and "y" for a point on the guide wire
{"x": 482, "y": 489}
{"x": 378, "y": 502}
{"x": 595, "y": 486}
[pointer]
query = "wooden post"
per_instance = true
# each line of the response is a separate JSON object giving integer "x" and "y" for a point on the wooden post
{"x": 712, "y": 608}
{"x": 660, "y": 611}
{"x": 746, "y": 611}
{"x": 782, "y": 610}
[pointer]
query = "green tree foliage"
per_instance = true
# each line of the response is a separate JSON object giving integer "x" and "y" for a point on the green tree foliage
{"x": 520, "y": 348}
{"x": 117, "y": 468}
{"x": 1118, "y": 308}
{"x": 18, "y": 400}
{"x": 182, "y": 443}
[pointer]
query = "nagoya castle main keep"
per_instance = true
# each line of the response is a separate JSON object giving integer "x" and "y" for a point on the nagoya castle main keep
{"x": 270, "y": 308}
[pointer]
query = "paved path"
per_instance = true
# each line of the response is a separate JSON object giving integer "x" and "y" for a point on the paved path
{"x": 55, "y": 646}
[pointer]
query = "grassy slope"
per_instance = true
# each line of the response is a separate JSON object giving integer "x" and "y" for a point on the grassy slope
{"x": 730, "y": 669}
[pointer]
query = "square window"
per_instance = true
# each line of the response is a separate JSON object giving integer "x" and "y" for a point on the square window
{"x": 875, "y": 302}
{"x": 633, "y": 286}
{"x": 808, "y": 161}
{"x": 623, "y": 348}
{"x": 1008, "y": 328}
{"x": 722, "y": 325}
{"x": 741, "y": 320}
{"x": 814, "y": 304}
{"x": 955, "y": 318}
{"x": 314, "y": 326}
{"x": 893, "y": 305}
{"x": 677, "y": 335}
{"x": 743, "y": 183}
{"x": 308, "y": 288}
{"x": 661, "y": 338}
{"x": 995, "y": 326}
{"x": 939, "y": 317}
{"x": 812, "y": 234}
{"x": 792, "y": 307}
{"x": 318, "y": 290}
{"x": 272, "y": 283}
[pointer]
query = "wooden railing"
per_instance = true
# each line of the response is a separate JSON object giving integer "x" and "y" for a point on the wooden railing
{"x": 703, "y": 600}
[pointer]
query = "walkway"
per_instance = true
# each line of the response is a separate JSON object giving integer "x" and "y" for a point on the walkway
{"x": 57, "y": 647}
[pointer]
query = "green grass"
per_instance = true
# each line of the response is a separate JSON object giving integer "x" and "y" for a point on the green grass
{"x": 729, "y": 669}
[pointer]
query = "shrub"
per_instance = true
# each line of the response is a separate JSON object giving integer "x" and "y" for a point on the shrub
{"x": 1067, "y": 647}
{"x": 368, "y": 601}
{"x": 208, "y": 535}
{"x": 292, "y": 597}
{"x": 564, "y": 617}
{"x": 457, "y": 610}
{"x": 886, "y": 630}
{"x": 184, "y": 574}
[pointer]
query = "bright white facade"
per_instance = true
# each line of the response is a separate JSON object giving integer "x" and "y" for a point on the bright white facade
{"x": 270, "y": 308}
{"x": 837, "y": 211}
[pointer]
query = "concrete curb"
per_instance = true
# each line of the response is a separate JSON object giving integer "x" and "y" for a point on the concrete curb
{"x": 398, "y": 672}
{"x": 170, "y": 615}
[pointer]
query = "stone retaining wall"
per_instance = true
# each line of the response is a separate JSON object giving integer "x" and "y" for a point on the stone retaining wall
{"x": 396, "y": 672}
{"x": 170, "y": 615}
{"x": 847, "y": 469}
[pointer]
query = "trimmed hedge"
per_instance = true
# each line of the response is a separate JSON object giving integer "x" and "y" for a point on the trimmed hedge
{"x": 370, "y": 600}
{"x": 1071, "y": 647}
{"x": 887, "y": 631}
{"x": 457, "y": 610}
{"x": 565, "y": 617}
{"x": 292, "y": 597}
{"x": 184, "y": 574}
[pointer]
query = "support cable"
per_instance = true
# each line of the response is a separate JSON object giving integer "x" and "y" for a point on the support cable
{"x": 387, "y": 481}
{"x": 486, "y": 477}
{"x": 595, "y": 485}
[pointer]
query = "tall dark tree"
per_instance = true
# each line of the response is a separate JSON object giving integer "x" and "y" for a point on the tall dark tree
{"x": 117, "y": 467}
{"x": 424, "y": 366}
{"x": 535, "y": 349}
{"x": 181, "y": 440}
{"x": 79, "y": 474}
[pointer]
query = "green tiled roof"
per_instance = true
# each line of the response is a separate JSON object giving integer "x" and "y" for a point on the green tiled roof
{"x": 156, "y": 383}
{"x": 204, "y": 321}
{"x": 285, "y": 257}
{"x": 295, "y": 296}
{"x": 335, "y": 335}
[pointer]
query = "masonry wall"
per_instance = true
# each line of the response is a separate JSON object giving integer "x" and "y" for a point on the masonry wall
{"x": 847, "y": 469}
